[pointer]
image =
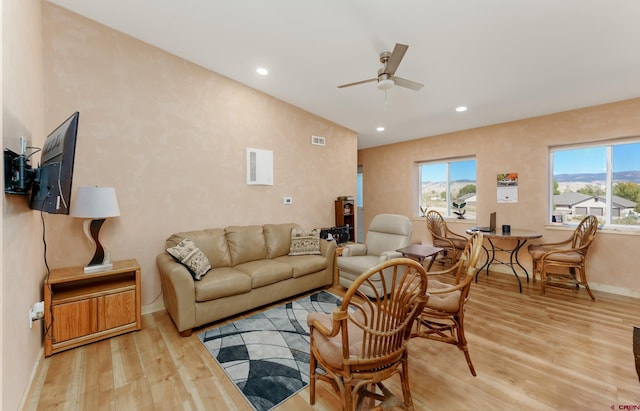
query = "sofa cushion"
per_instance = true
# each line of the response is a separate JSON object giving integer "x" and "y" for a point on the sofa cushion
{"x": 246, "y": 243}
{"x": 265, "y": 272}
{"x": 350, "y": 269}
{"x": 304, "y": 264}
{"x": 222, "y": 282}
{"x": 357, "y": 265}
{"x": 188, "y": 254}
{"x": 278, "y": 238}
{"x": 211, "y": 242}
{"x": 304, "y": 242}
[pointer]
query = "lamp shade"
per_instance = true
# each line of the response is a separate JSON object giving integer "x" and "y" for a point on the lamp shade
{"x": 95, "y": 202}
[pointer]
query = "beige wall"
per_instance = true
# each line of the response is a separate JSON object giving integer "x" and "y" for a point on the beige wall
{"x": 22, "y": 250}
{"x": 390, "y": 179}
{"x": 171, "y": 137}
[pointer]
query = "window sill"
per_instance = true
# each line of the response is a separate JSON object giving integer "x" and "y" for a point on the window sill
{"x": 471, "y": 221}
{"x": 635, "y": 230}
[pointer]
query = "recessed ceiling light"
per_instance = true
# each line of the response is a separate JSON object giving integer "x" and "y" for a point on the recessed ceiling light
{"x": 262, "y": 71}
{"x": 380, "y": 128}
{"x": 460, "y": 109}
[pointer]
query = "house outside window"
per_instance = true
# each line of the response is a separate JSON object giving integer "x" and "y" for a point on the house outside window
{"x": 448, "y": 186}
{"x": 601, "y": 180}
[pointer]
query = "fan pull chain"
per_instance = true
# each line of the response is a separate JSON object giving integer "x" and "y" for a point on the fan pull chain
{"x": 385, "y": 100}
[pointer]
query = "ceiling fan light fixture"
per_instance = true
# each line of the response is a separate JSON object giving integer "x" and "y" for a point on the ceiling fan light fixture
{"x": 385, "y": 84}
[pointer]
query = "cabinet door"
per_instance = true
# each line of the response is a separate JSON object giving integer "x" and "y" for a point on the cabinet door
{"x": 74, "y": 319}
{"x": 117, "y": 309}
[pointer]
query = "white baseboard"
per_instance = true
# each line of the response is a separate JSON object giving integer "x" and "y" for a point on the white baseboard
{"x": 157, "y": 305}
{"x": 614, "y": 290}
{"x": 594, "y": 286}
{"x": 34, "y": 372}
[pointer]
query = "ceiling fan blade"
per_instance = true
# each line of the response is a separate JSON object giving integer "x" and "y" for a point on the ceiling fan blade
{"x": 358, "y": 82}
{"x": 407, "y": 83}
{"x": 396, "y": 58}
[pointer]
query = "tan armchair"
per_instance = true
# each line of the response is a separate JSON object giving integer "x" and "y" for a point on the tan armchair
{"x": 386, "y": 234}
{"x": 569, "y": 256}
{"x": 364, "y": 341}
{"x": 442, "y": 318}
{"x": 452, "y": 243}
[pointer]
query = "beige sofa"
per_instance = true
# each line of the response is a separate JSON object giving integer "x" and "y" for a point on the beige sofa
{"x": 250, "y": 268}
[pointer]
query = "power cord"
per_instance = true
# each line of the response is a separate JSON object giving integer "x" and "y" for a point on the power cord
{"x": 47, "y": 329}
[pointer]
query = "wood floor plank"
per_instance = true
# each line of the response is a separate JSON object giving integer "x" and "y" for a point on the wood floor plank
{"x": 135, "y": 395}
{"x": 127, "y": 361}
{"x": 97, "y": 388}
{"x": 531, "y": 352}
{"x": 167, "y": 388}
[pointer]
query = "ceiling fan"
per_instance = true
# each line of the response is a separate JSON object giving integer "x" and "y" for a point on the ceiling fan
{"x": 386, "y": 75}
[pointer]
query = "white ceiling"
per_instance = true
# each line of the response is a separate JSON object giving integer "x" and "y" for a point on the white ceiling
{"x": 504, "y": 59}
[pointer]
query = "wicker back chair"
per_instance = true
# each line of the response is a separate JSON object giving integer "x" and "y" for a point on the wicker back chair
{"x": 452, "y": 243}
{"x": 442, "y": 318}
{"x": 364, "y": 341}
{"x": 569, "y": 256}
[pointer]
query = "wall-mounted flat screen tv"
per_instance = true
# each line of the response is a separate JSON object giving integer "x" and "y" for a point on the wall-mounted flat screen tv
{"x": 51, "y": 190}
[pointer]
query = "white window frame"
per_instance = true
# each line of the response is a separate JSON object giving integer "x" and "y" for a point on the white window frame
{"x": 608, "y": 145}
{"x": 447, "y": 162}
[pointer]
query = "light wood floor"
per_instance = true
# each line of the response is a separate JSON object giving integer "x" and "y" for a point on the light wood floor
{"x": 558, "y": 352}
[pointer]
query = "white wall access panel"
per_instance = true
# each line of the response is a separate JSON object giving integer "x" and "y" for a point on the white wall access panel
{"x": 259, "y": 167}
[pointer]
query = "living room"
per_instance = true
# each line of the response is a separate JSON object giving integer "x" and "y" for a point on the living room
{"x": 178, "y": 163}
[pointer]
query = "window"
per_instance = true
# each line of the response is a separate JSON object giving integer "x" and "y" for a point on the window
{"x": 448, "y": 186}
{"x": 601, "y": 180}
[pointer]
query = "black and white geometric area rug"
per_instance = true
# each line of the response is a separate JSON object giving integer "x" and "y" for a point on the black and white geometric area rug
{"x": 267, "y": 355}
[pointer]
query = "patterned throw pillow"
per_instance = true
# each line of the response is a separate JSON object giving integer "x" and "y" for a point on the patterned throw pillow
{"x": 304, "y": 243}
{"x": 188, "y": 254}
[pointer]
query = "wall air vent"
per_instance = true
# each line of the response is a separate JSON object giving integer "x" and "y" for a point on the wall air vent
{"x": 317, "y": 140}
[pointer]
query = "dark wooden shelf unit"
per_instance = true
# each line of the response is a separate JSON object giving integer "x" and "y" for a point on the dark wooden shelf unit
{"x": 345, "y": 216}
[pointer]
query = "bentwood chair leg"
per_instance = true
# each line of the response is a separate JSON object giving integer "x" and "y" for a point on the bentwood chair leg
{"x": 469, "y": 363}
{"x": 586, "y": 286}
{"x": 462, "y": 343}
{"x": 583, "y": 280}
{"x": 312, "y": 379}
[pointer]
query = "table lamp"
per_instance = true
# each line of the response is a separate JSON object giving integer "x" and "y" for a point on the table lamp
{"x": 96, "y": 204}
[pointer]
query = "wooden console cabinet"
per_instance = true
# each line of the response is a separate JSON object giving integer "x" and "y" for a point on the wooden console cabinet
{"x": 83, "y": 308}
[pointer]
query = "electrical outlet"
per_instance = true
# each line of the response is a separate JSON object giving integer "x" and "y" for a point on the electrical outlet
{"x": 36, "y": 312}
{"x": 287, "y": 200}
{"x": 38, "y": 308}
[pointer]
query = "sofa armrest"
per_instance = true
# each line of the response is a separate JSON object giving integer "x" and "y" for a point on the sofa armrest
{"x": 328, "y": 250}
{"x": 178, "y": 292}
{"x": 351, "y": 250}
{"x": 388, "y": 255}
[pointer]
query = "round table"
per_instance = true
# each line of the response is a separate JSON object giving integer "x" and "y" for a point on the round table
{"x": 520, "y": 235}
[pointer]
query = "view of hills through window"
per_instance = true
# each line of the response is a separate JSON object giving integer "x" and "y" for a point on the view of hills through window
{"x": 601, "y": 180}
{"x": 449, "y": 187}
